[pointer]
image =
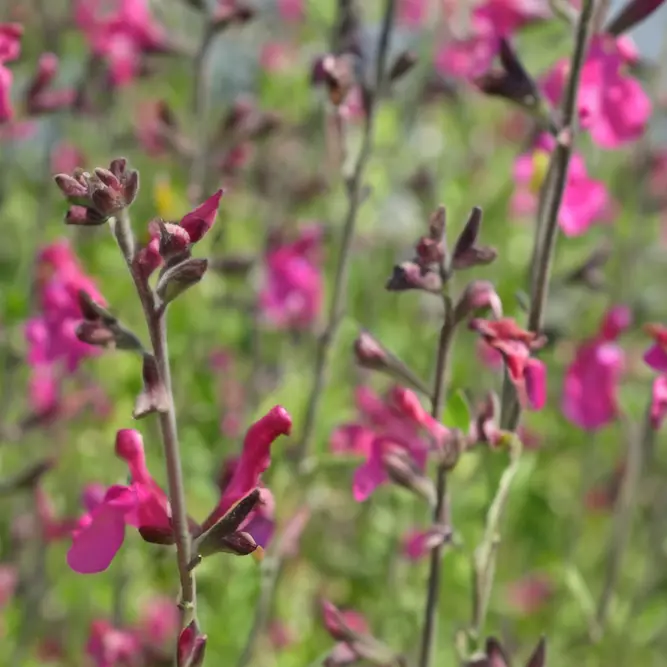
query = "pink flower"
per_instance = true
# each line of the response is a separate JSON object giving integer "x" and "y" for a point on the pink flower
{"x": 159, "y": 623}
{"x": 53, "y": 348}
{"x": 412, "y": 12}
{"x": 111, "y": 647}
{"x": 591, "y": 381}
{"x": 658, "y": 401}
{"x": 585, "y": 201}
{"x": 142, "y": 504}
{"x": 418, "y": 543}
{"x": 293, "y": 287}
{"x": 656, "y": 355}
{"x": 65, "y": 158}
{"x": 612, "y": 105}
{"x": 9, "y": 577}
{"x": 397, "y": 424}
{"x": 120, "y": 34}
{"x": 515, "y": 345}
{"x": 246, "y": 474}
{"x": 530, "y": 593}
{"x": 10, "y": 49}
{"x": 472, "y": 56}
{"x": 291, "y": 10}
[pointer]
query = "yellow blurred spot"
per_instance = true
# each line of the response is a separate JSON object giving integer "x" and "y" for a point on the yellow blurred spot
{"x": 258, "y": 554}
{"x": 540, "y": 167}
{"x": 166, "y": 202}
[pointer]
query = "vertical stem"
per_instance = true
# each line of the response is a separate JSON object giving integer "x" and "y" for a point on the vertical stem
{"x": 157, "y": 330}
{"x": 552, "y": 198}
{"x": 354, "y": 188}
{"x": 440, "y": 513}
{"x": 200, "y": 104}
{"x": 624, "y": 511}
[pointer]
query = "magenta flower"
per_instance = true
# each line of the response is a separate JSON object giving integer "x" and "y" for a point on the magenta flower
{"x": 191, "y": 229}
{"x": 291, "y": 10}
{"x": 658, "y": 401}
{"x": 611, "y": 105}
{"x": 412, "y": 12}
{"x": 515, "y": 345}
{"x": 54, "y": 350}
{"x": 395, "y": 425}
{"x": 491, "y": 21}
{"x": 10, "y": 49}
{"x": 246, "y": 474}
{"x": 418, "y": 543}
{"x": 110, "y": 647}
{"x": 585, "y": 202}
{"x": 656, "y": 355}
{"x": 293, "y": 287}
{"x": 142, "y": 504}
{"x": 120, "y": 34}
{"x": 591, "y": 381}
{"x": 530, "y": 593}
{"x": 159, "y": 623}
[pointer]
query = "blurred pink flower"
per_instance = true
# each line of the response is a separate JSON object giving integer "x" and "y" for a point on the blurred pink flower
{"x": 276, "y": 57}
{"x": 53, "y": 348}
{"x": 159, "y": 623}
{"x": 291, "y": 10}
{"x": 656, "y": 355}
{"x": 9, "y": 577}
{"x": 111, "y": 647}
{"x": 612, "y": 105}
{"x": 245, "y": 474}
{"x": 65, "y": 158}
{"x": 490, "y": 21}
{"x": 591, "y": 381}
{"x": 281, "y": 635}
{"x": 10, "y": 49}
{"x": 515, "y": 345}
{"x": 41, "y": 98}
{"x": 120, "y": 32}
{"x": 142, "y": 504}
{"x": 293, "y": 286}
{"x": 659, "y": 401}
{"x": 231, "y": 393}
{"x": 530, "y": 593}
{"x": 585, "y": 201}
{"x": 418, "y": 543}
{"x": 395, "y": 424}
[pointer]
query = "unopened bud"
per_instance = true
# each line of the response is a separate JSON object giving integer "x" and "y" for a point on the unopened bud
{"x": 179, "y": 278}
{"x": 157, "y": 535}
{"x": 72, "y": 188}
{"x": 633, "y": 13}
{"x": 190, "y": 647}
{"x": 479, "y": 294}
{"x": 410, "y": 275}
{"x": 370, "y": 354}
{"x": 108, "y": 178}
{"x": 466, "y": 252}
{"x": 154, "y": 396}
{"x": 402, "y": 65}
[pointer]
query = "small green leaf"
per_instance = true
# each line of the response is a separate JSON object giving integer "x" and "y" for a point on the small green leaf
{"x": 457, "y": 411}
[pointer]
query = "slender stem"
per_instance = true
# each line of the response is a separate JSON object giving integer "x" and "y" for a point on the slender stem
{"x": 441, "y": 511}
{"x": 624, "y": 511}
{"x": 157, "y": 329}
{"x": 354, "y": 190}
{"x": 552, "y": 198}
{"x": 485, "y": 554}
{"x": 200, "y": 105}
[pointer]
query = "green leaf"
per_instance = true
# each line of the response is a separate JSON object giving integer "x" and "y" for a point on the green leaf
{"x": 457, "y": 411}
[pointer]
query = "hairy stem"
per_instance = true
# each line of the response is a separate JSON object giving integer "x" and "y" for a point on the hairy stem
{"x": 441, "y": 512}
{"x": 551, "y": 199}
{"x": 354, "y": 192}
{"x": 638, "y": 445}
{"x": 485, "y": 554}
{"x": 157, "y": 330}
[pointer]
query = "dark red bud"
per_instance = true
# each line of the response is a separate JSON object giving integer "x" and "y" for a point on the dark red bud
{"x": 155, "y": 535}
{"x": 410, "y": 275}
{"x": 71, "y": 187}
{"x": 154, "y": 396}
{"x": 108, "y": 178}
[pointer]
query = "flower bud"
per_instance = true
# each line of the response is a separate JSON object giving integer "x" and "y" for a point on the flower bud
{"x": 154, "y": 396}
{"x": 466, "y": 251}
{"x": 409, "y": 275}
{"x": 478, "y": 295}
{"x": 190, "y": 647}
{"x": 370, "y": 354}
{"x": 405, "y": 61}
{"x": 633, "y": 13}
{"x": 179, "y": 278}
